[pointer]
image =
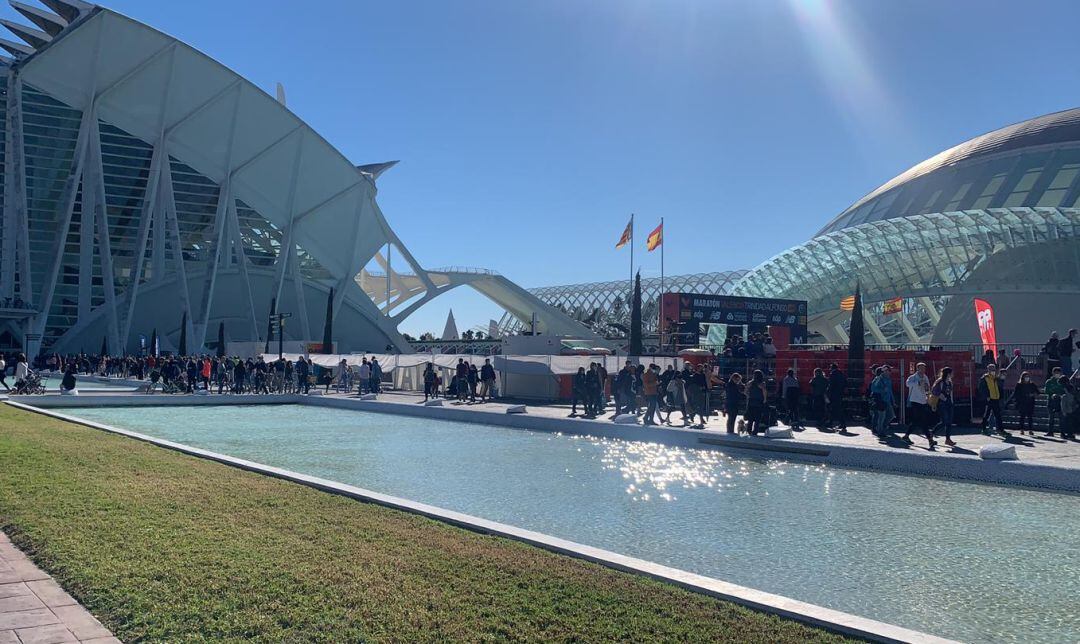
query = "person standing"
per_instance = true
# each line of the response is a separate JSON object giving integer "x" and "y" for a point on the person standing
{"x": 942, "y": 390}
{"x": 1054, "y": 389}
{"x": 733, "y": 395}
{"x": 696, "y": 387}
{"x": 429, "y": 381}
{"x": 472, "y": 378}
{"x": 819, "y": 390}
{"x": 376, "y": 376}
{"x": 790, "y": 393}
{"x": 1070, "y": 411}
{"x": 302, "y": 371}
{"x": 991, "y": 387}
{"x": 837, "y": 388}
{"x": 881, "y": 394}
{"x": 1025, "y": 394}
{"x": 364, "y": 375}
{"x": 1066, "y": 346}
{"x": 918, "y": 385}
{"x": 487, "y": 381}
{"x": 592, "y": 391}
{"x": 756, "y": 398}
{"x": 3, "y": 373}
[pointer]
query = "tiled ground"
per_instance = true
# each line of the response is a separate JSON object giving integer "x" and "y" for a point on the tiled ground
{"x": 34, "y": 609}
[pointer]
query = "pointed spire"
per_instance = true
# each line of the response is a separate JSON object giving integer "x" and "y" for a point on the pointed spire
{"x": 51, "y": 23}
{"x": 450, "y": 330}
{"x": 34, "y": 37}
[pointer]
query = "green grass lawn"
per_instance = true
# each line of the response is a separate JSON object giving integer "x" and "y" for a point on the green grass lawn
{"x": 163, "y": 546}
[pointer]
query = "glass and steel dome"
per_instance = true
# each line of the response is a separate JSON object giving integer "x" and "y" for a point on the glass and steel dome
{"x": 926, "y": 235}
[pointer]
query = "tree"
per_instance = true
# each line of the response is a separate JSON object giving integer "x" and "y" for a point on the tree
{"x": 857, "y": 342}
{"x": 270, "y": 325}
{"x": 328, "y": 326}
{"x": 183, "y": 335}
{"x": 635, "y": 318}
{"x": 221, "y": 339}
{"x": 153, "y": 342}
{"x": 104, "y": 346}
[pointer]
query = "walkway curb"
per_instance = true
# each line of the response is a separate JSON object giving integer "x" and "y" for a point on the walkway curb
{"x": 836, "y": 621}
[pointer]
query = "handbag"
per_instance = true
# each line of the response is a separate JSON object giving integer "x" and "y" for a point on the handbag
{"x": 933, "y": 401}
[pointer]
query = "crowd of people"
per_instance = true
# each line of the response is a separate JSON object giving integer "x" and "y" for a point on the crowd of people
{"x": 749, "y": 403}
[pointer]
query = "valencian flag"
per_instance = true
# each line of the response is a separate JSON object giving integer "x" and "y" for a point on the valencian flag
{"x": 848, "y": 303}
{"x": 655, "y": 238}
{"x": 892, "y": 306}
{"x": 627, "y": 235}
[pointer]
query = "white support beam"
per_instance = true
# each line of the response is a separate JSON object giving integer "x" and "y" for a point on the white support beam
{"x": 931, "y": 310}
{"x": 242, "y": 264}
{"x": 221, "y": 215}
{"x": 150, "y": 198}
{"x": 841, "y": 333}
{"x": 66, "y": 208}
{"x": 173, "y": 223}
{"x": 874, "y": 329}
{"x": 909, "y": 330}
{"x": 104, "y": 243}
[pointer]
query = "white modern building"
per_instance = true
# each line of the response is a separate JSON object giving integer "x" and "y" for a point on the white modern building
{"x": 147, "y": 187}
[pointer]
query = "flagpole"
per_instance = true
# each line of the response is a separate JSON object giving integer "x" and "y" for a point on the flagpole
{"x": 631, "y": 254}
{"x": 661, "y": 257}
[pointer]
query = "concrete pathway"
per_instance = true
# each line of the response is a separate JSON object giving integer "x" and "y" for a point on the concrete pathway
{"x": 34, "y": 609}
{"x": 1030, "y": 449}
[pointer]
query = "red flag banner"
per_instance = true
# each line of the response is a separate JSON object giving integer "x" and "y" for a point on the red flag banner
{"x": 627, "y": 234}
{"x": 848, "y": 303}
{"x": 655, "y": 238}
{"x": 984, "y": 314}
{"x": 893, "y": 306}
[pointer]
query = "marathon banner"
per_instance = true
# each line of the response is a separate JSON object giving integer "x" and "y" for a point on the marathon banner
{"x": 687, "y": 311}
{"x": 984, "y": 315}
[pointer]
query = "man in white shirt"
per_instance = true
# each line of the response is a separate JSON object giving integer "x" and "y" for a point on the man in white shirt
{"x": 918, "y": 385}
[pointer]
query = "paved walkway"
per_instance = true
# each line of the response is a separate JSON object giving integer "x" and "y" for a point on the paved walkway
{"x": 1038, "y": 449}
{"x": 34, "y": 609}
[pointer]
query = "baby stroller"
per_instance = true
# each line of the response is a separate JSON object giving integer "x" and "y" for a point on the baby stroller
{"x": 32, "y": 385}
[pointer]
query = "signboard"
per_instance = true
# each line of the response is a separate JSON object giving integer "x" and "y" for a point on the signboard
{"x": 984, "y": 315}
{"x": 683, "y": 313}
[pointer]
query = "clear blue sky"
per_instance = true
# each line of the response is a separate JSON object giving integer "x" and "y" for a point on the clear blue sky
{"x": 529, "y": 131}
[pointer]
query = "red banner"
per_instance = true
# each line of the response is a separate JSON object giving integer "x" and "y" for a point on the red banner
{"x": 984, "y": 314}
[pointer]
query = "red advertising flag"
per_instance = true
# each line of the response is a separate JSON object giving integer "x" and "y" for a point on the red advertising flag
{"x": 984, "y": 314}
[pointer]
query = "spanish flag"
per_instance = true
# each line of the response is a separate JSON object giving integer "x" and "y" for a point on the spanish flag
{"x": 892, "y": 306}
{"x": 627, "y": 234}
{"x": 655, "y": 238}
{"x": 848, "y": 303}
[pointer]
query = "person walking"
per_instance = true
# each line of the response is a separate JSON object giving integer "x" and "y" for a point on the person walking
{"x": 918, "y": 385}
{"x": 697, "y": 386}
{"x": 579, "y": 392}
{"x": 592, "y": 391}
{"x": 837, "y": 388}
{"x": 733, "y": 396}
{"x": 650, "y": 384}
{"x": 790, "y": 393}
{"x": 991, "y": 386}
{"x": 676, "y": 390}
{"x": 941, "y": 398}
{"x": 363, "y": 373}
{"x": 239, "y": 373}
{"x": 1025, "y": 394}
{"x": 487, "y": 381}
{"x": 302, "y": 372}
{"x": 472, "y": 378}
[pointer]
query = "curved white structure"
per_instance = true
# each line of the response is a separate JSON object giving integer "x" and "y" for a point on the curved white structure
{"x": 148, "y": 186}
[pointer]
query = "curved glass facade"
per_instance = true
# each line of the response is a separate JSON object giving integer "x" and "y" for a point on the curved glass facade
{"x": 605, "y": 306}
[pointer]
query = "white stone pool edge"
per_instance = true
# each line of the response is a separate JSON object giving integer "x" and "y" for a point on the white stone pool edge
{"x": 833, "y": 620}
